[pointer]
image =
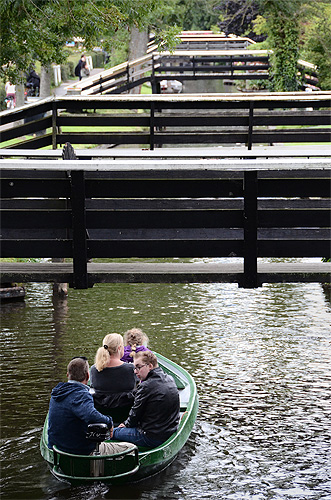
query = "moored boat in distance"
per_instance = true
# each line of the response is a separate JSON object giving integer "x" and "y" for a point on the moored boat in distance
{"x": 133, "y": 465}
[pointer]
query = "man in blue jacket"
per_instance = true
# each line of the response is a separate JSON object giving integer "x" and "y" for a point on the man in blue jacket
{"x": 154, "y": 415}
{"x": 71, "y": 410}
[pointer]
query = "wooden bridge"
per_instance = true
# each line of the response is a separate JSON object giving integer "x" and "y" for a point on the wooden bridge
{"x": 151, "y": 121}
{"x": 227, "y": 211}
{"x": 185, "y": 65}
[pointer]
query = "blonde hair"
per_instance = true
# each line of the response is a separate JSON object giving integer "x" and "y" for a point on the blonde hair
{"x": 135, "y": 337}
{"x": 110, "y": 345}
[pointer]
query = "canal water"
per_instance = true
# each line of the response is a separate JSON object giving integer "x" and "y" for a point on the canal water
{"x": 261, "y": 361}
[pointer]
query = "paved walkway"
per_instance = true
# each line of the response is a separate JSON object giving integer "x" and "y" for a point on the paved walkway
{"x": 61, "y": 89}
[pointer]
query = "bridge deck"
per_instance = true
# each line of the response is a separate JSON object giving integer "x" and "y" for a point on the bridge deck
{"x": 148, "y": 272}
{"x": 311, "y": 151}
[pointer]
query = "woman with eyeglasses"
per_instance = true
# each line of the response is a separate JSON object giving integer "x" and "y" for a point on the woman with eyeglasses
{"x": 113, "y": 382}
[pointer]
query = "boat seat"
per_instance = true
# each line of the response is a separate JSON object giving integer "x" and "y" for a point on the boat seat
{"x": 68, "y": 466}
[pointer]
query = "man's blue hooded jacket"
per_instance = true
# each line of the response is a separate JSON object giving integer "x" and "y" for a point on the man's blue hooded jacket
{"x": 71, "y": 409}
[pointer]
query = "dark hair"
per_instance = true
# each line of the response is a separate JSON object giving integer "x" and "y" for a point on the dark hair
{"x": 78, "y": 369}
{"x": 147, "y": 357}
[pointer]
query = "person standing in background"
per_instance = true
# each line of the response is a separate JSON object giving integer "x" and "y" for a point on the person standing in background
{"x": 80, "y": 66}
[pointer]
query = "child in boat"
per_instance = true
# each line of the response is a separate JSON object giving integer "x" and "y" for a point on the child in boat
{"x": 135, "y": 340}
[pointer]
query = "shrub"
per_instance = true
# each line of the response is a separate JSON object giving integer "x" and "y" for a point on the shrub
{"x": 98, "y": 59}
{"x": 65, "y": 72}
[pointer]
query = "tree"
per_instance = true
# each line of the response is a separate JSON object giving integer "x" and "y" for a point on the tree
{"x": 317, "y": 42}
{"x": 283, "y": 19}
{"x": 237, "y": 16}
{"x": 38, "y": 29}
{"x": 296, "y": 28}
{"x": 195, "y": 14}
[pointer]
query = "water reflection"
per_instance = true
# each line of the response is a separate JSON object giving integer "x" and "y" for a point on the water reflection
{"x": 260, "y": 359}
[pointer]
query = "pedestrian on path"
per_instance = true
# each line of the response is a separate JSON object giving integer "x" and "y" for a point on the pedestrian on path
{"x": 81, "y": 67}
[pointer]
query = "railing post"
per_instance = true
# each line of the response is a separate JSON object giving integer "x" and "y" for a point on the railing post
{"x": 54, "y": 125}
{"x": 151, "y": 126}
{"x": 153, "y": 79}
{"x": 128, "y": 74}
{"x": 250, "y": 230}
{"x": 79, "y": 243}
{"x": 250, "y": 126}
{"x": 79, "y": 233}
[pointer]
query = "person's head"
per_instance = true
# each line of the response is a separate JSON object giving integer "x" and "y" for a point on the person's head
{"x": 144, "y": 362}
{"x": 78, "y": 370}
{"x": 83, "y": 57}
{"x": 112, "y": 345}
{"x": 134, "y": 338}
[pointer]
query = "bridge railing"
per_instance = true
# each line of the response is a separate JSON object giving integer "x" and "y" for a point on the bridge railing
{"x": 165, "y": 209}
{"x": 163, "y": 120}
{"x": 231, "y": 64}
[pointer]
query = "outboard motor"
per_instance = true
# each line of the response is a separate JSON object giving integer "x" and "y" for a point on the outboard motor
{"x": 97, "y": 433}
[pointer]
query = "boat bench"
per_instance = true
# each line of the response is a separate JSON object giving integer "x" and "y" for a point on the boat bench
{"x": 69, "y": 466}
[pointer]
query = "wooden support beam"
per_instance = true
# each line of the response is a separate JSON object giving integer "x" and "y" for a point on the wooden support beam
{"x": 311, "y": 271}
{"x": 79, "y": 243}
{"x": 250, "y": 230}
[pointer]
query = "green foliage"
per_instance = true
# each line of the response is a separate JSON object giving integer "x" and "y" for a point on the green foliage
{"x": 98, "y": 59}
{"x": 280, "y": 21}
{"x": 197, "y": 14}
{"x": 296, "y": 28}
{"x": 2, "y": 96}
{"x": 317, "y": 43}
{"x": 284, "y": 60}
{"x": 168, "y": 39}
{"x": 38, "y": 29}
{"x": 237, "y": 16}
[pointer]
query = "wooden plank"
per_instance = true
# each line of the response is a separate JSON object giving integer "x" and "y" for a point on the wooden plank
{"x": 163, "y": 218}
{"x": 294, "y": 188}
{"x": 35, "y": 219}
{"x": 276, "y": 204}
{"x": 165, "y": 188}
{"x": 40, "y": 123}
{"x": 321, "y": 98}
{"x": 141, "y": 272}
{"x": 37, "y": 248}
{"x": 196, "y": 153}
{"x": 294, "y": 248}
{"x": 165, "y": 248}
{"x": 45, "y": 188}
{"x": 159, "y": 168}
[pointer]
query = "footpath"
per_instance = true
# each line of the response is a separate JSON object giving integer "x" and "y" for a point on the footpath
{"x": 61, "y": 89}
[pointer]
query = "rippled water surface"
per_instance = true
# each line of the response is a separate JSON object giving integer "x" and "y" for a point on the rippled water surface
{"x": 261, "y": 361}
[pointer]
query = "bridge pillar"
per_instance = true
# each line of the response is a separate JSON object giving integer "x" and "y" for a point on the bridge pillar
{"x": 250, "y": 279}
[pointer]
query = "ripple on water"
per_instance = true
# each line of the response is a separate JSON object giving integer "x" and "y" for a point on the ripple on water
{"x": 261, "y": 361}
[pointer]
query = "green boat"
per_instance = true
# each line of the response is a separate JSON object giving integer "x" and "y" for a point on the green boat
{"x": 135, "y": 464}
